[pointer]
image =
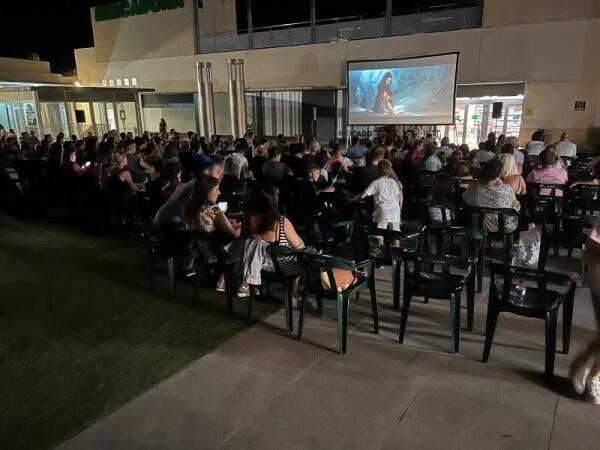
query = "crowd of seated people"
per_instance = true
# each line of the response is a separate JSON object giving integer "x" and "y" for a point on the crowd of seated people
{"x": 251, "y": 192}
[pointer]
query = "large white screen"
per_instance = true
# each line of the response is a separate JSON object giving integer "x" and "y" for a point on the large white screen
{"x": 415, "y": 91}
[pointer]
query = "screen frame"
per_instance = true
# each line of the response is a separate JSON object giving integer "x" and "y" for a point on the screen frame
{"x": 400, "y": 59}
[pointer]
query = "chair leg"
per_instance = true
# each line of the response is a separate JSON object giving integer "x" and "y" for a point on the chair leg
{"x": 342, "y": 305}
{"x": 301, "y": 312}
{"x": 404, "y": 313}
{"x": 480, "y": 265}
{"x": 374, "y": 301}
{"x": 197, "y": 283}
{"x": 455, "y": 320}
{"x": 171, "y": 269}
{"x": 250, "y": 300}
{"x": 567, "y": 321}
{"x": 289, "y": 313}
{"x": 490, "y": 329}
{"x": 470, "y": 301}
{"x": 396, "y": 284}
{"x": 551, "y": 319}
{"x": 229, "y": 288}
{"x": 319, "y": 304}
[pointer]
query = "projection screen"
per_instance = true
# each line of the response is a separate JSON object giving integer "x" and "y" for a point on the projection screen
{"x": 413, "y": 91}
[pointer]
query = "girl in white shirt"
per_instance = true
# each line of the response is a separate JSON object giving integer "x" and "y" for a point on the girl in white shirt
{"x": 387, "y": 194}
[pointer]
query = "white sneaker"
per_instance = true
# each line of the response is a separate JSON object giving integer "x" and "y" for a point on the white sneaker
{"x": 594, "y": 390}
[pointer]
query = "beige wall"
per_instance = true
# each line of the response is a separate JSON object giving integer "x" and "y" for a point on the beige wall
{"x": 152, "y": 35}
{"x": 14, "y": 69}
{"x": 217, "y": 16}
{"x": 497, "y": 13}
{"x": 558, "y": 61}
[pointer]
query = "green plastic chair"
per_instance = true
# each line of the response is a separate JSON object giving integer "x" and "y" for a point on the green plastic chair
{"x": 456, "y": 241}
{"x": 276, "y": 252}
{"x": 317, "y": 263}
{"x": 421, "y": 278}
{"x": 539, "y": 302}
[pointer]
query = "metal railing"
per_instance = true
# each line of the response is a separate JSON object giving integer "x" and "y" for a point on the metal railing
{"x": 344, "y": 29}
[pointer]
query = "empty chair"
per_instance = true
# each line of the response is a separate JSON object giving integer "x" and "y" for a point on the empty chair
{"x": 421, "y": 278}
{"x": 510, "y": 292}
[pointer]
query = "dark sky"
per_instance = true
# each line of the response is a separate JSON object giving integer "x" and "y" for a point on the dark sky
{"x": 54, "y": 28}
{"x": 51, "y": 28}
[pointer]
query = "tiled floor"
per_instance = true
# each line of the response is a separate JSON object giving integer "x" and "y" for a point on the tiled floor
{"x": 265, "y": 390}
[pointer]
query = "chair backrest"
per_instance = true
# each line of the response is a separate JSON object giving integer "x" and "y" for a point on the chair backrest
{"x": 584, "y": 197}
{"x": 443, "y": 211}
{"x": 427, "y": 262}
{"x": 479, "y": 215}
{"x": 276, "y": 252}
{"x": 512, "y": 275}
{"x": 423, "y": 183}
{"x": 455, "y": 241}
{"x": 315, "y": 263}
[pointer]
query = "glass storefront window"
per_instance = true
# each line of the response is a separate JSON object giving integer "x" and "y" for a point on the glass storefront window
{"x": 4, "y": 116}
{"x": 513, "y": 120}
{"x": 101, "y": 118}
{"x": 54, "y": 118}
{"x": 81, "y": 129}
{"x": 282, "y": 113}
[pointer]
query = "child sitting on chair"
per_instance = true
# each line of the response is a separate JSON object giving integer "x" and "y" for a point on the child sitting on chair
{"x": 387, "y": 194}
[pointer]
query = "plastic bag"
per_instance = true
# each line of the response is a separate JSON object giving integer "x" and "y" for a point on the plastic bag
{"x": 530, "y": 242}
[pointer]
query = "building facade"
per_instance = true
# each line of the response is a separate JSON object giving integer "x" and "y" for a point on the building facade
{"x": 538, "y": 57}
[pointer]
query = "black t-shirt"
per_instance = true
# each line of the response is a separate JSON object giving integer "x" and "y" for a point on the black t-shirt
{"x": 275, "y": 171}
{"x": 138, "y": 174}
{"x": 256, "y": 166}
{"x": 362, "y": 177}
{"x": 297, "y": 166}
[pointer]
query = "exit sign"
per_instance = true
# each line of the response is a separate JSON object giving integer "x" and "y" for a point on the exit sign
{"x": 128, "y": 8}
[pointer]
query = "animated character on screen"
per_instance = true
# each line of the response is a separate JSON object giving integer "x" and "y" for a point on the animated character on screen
{"x": 384, "y": 102}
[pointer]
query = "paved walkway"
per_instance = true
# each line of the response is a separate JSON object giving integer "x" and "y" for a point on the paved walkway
{"x": 265, "y": 390}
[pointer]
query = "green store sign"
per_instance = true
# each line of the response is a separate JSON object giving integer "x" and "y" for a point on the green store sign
{"x": 128, "y": 8}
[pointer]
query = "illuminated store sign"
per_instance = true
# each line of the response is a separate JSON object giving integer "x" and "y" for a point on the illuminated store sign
{"x": 128, "y": 8}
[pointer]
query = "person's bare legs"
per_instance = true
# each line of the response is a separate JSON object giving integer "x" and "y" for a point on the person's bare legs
{"x": 586, "y": 367}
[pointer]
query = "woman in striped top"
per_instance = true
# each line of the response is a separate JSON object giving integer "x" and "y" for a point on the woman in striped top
{"x": 264, "y": 222}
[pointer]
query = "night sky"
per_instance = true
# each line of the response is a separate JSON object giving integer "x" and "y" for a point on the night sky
{"x": 53, "y": 28}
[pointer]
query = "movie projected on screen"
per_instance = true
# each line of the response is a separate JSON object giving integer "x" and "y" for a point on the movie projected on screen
{"x": 413, "y": 91}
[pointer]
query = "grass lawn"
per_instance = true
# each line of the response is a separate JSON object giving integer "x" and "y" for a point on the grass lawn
{"x": 82, "y": 331}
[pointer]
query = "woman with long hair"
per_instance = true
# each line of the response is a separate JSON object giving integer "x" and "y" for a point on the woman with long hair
{"x": 69, "y": 160}
{"x": 510, "y": 174}
{"x": 201, "y": 213}
{"x": 384, "y": 102}
{"x": 265, "y": 223}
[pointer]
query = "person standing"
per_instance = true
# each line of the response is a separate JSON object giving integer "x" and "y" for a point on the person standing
{"x": 387, "y": 194}
{"x": 162, "y": 127}
{"x": 585, "y": 371}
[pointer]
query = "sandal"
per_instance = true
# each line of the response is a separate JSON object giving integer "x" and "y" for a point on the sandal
{"x": 220, "y": 286}
{"x": 243, "y": 290}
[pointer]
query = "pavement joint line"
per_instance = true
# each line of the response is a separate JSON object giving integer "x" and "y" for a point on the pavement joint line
{"x": 553, "y": 422}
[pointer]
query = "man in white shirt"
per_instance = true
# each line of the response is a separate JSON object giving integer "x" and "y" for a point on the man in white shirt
{"x": 237, "y": 164}
{"x": 566, "y": 147}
